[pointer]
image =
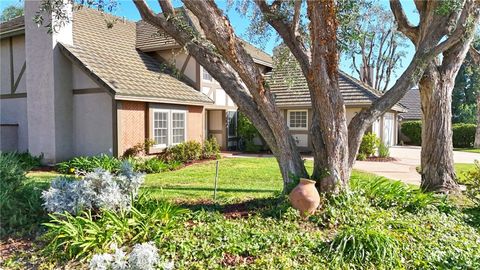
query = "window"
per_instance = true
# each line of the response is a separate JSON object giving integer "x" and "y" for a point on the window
{"x": 297, "y": 119}
{"x": 169, "y": 127}
{"x": 178, "y": 127}
{"x": 207, "y": 76}
{"x": 160, "y": 128}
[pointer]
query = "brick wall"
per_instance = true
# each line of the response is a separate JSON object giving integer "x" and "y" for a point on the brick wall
{"x": 131, "y": 120}
{"x": 195, "y": 128}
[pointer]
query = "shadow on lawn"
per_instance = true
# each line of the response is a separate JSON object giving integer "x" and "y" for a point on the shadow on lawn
{"x": 473, "y": 216}
{"x": 232, "y": 190}
{"x": 267, "y": 207}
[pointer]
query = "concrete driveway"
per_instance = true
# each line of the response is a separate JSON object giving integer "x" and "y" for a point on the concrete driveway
{"x": 405, "y": 167}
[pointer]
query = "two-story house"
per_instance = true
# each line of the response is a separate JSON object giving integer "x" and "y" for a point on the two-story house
{"x": 89, "y": 88}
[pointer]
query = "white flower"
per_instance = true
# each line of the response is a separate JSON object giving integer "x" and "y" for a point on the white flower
{"x": 143, "y": 257}
{"x": 168, "y": 265}
{"x": 101, "y": 262}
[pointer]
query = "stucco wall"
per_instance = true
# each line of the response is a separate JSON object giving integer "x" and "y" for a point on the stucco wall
{"x": 14, "y": 111}
{"x": 92, "y": 119}
{"x": 17, "y": 50}
{"x": 80, "y": 80}
{"x": 178, "y": 58}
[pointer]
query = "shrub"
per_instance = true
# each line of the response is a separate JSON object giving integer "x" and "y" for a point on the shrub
{"x": 183, "y": 152}
{"x": 251, "y": 147}
{"x": 387, "y": 193}
{"x": 98, "y": 190}
{"x": 86, "y": 234}
{"x": 89, "y": 164}
{"x": 473, "y": 188}
{"x": 211, "y": 149}
{"x": 150, "y": 165}
{"x": 463, "y": 135}
{"x": 138, "y": 149}
{"x": 413, "y": 130}
{"x": 142, "y": 257}
{"x": 369, "y": 144}
{"x": 366, "y": 245}
{"x": 361, "y": 156}
{"x": 20, "y": 204}
{"x": 383, "y": 150}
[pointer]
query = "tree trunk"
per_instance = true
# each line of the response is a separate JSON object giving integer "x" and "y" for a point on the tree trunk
{"x": 329, "y": 125}
{"x": 476, "y": 144}
{"x": 438, "y": 173}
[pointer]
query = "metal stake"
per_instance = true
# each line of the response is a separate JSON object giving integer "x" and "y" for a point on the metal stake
{"x": 216, "y": 179}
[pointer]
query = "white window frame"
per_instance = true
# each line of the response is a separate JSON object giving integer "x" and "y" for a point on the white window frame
{"x": 169, "y": 126}
{"x": 297, "y": 128}
{"x": 184, "y": 125}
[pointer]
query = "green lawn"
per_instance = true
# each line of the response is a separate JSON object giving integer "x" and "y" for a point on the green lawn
{"x": 238, "y": 178}
{"x": 471, "y": 150}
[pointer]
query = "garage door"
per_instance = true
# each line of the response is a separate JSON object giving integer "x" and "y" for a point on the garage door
{"x": 388, "y": 129}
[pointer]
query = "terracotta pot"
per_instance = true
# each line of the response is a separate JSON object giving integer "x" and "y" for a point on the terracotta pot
{"x": 304, "y": 197}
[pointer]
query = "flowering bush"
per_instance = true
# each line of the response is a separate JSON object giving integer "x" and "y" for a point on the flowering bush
{"x": 143, "y": 257}
{"x": 97, "y": 190}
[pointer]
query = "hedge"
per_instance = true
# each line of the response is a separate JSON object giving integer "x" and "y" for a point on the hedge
{"x": 413, "y": 130}
{"x": 463, "y": 134}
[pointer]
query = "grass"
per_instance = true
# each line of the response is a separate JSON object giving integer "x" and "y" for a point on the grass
{"x": 238, "y": 178}
{"x": 471, "y": 150}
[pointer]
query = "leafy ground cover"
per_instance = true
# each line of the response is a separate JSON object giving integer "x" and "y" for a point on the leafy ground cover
{"x": 379, "y": 224}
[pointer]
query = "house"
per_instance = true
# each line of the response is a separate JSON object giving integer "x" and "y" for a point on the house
{"x": 293, "y": 98}
{"x": 411, "y": 101}
{"x": 90, "y": 88}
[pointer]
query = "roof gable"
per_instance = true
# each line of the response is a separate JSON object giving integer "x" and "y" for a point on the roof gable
{"x": 109, "y": 54}
{"x": 296, "y": 92}
{"x": 150, "y": 38}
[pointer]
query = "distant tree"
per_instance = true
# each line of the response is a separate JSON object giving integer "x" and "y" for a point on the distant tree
{"x": 379, "y": 49}
{"x": 466, "y": 90}
{"x": 475, "y": 57}
{"x": 11, "y": 12}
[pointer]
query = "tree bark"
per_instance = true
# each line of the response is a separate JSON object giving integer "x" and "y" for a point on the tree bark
{"x": 329, "y": 128}
{"x": 252, "y": 97}
{"x": 437, "y": 170}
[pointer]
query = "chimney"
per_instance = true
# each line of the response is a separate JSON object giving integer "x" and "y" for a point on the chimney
{"x": 49, "y": 86}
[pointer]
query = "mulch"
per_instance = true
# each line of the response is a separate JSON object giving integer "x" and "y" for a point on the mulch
{"x": 381, "y": 159}
{"x": 233, "y": 260}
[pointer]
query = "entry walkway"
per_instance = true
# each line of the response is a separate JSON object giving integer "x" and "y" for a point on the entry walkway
{"x": 408, "y": 159}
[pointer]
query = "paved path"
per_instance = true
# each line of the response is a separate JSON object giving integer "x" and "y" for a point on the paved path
{"x": 408, "y": 159}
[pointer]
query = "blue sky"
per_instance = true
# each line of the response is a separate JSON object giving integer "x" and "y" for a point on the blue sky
{"x": 127, "y": 9}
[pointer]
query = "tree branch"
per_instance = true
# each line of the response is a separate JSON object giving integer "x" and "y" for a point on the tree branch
{"x": 475, "y": 55}
{"x": 296, "y": 16}
{"x": 223, "y": 73}
{"x": 283, "y": 28}
{"x": 403, "y": 23}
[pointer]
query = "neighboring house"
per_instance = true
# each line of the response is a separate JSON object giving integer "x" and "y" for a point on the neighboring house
{"x": 89, "y": 89}
{"x": 293, "y": 98}
{"x": 411, "y": 101}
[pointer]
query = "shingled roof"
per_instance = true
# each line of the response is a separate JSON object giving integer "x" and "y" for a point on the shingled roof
{"x": 12, "y": 27}
{"x": 110, "y": 56}
{"x": 411, "y": 100}
{"x": 294, "y": 92}
{"x": 150, "y": 38}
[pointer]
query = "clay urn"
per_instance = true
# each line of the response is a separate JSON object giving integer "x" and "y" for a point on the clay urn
{"x": 304, "y": 197}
